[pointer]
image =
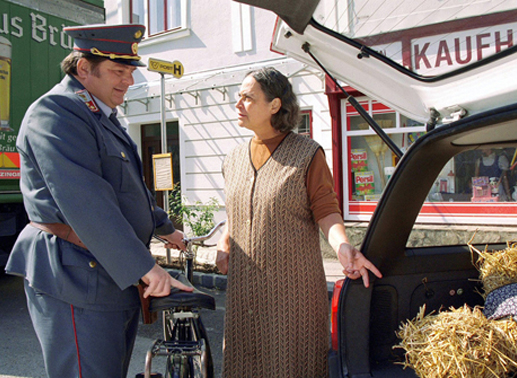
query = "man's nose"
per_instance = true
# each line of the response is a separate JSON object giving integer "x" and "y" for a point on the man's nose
{"x": 128, "y": 78}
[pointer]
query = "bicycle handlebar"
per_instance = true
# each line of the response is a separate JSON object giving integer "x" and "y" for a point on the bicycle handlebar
{"x": 197, "y": 239}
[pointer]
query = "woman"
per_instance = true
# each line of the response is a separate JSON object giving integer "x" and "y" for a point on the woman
{"x": 278, "y": 193}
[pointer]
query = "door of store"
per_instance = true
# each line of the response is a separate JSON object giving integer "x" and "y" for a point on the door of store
{"x": 151, "y": 144}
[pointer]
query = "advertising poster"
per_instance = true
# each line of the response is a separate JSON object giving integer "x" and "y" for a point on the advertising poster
{"x": 32, "y": 45}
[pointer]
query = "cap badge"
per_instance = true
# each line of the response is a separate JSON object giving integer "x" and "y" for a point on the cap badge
{"x": 134, "y": 48}
{"x": 138, "y": 34}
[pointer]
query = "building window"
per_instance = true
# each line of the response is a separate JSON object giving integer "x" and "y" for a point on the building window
{"x": 159, "y": 16}
{"x": 370, "y": 162}
{"x": 242, "y": 35}
{"x": 305, "y": 127}
{"x": 474, "y": 187}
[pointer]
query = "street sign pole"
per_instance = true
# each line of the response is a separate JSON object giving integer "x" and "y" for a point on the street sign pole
{"x": 163, "y": 136}
{"x": 162, "y": 67}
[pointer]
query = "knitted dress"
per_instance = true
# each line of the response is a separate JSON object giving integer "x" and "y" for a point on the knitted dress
{"x": 276, "y": 321}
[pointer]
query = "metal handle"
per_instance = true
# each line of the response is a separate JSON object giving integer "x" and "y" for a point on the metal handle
{"x": 197, "y": 239}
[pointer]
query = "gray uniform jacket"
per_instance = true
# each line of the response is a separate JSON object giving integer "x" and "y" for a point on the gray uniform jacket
{"x": 80, "y": 169}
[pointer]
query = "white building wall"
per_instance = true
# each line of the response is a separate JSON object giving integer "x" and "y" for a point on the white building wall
{"x": 203, "y": 100}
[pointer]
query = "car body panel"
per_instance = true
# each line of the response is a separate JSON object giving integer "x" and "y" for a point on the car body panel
{"x": 481, "y": 88}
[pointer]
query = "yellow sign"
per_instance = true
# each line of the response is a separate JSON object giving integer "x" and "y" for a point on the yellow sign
{"x": 174, "y": 68}
{"x": 5, "y": 83}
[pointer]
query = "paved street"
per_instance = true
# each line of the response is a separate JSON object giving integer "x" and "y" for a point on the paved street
{"x": 20, "y": 354}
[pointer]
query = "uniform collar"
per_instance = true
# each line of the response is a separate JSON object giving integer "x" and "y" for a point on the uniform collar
{"x": 78, "y": 86}
{"x": 105, "y": 108}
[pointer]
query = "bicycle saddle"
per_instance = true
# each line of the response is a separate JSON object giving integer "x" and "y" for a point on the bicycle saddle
{"x": 180, "y": 298}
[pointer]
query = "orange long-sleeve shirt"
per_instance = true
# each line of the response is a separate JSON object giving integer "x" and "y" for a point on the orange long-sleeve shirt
{"x": 319, "y": 178}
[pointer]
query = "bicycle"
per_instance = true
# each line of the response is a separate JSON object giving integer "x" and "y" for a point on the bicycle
{"x": 185, "y": 342}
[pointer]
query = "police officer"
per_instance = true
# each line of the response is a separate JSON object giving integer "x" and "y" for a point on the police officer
{"x": 91, "y": 214}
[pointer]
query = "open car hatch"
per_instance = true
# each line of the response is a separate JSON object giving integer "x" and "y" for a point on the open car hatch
{"x": 433, "y": 61}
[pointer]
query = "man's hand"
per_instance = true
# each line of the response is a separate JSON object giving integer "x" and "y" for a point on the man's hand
{"x": 159, "y": 283}
{"x": 175, "y": 240}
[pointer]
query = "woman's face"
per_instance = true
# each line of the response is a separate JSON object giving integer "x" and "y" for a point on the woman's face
{"x": 254, "y": 111}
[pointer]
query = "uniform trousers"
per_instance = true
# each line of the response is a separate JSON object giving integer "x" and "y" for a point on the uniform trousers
{"x": 82, "y": 343}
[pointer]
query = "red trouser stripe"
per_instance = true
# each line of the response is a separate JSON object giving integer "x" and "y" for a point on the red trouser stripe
{"x": 76, "y": 343}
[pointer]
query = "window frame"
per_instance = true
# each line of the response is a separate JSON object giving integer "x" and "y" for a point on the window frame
{"x": 306, "y": 113}
{"x": 180, "y": 31}
{"x": 447, "y": 213}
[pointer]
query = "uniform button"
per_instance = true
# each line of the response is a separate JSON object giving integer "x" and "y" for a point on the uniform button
{"x": 123, "y": 154}
{"x": 92, "y": 264}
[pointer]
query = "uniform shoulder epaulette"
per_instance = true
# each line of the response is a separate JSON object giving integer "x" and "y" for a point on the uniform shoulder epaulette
{"x": 87, "y": 98}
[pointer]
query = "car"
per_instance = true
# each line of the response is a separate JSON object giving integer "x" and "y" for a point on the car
{"x": 466, "y": 96}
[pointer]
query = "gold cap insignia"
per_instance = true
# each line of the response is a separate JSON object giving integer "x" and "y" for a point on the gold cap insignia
{"x": 138, "y": 34}
{"x": 134, "y": 48}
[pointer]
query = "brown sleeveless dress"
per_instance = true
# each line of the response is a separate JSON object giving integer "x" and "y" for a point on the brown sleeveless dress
{"x": 277, "y": 305}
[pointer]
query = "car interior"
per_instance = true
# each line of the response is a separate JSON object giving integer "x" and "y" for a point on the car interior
{"x": 438, "y": 277}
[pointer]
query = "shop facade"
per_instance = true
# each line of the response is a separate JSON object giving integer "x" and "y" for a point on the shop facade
{"x": 466, "y": 198}
{"x": 202, "y": 123}
{"x": 476, "y": 191}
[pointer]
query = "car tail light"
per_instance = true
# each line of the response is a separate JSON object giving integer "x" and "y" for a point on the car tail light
{"x": 333, "y": 314}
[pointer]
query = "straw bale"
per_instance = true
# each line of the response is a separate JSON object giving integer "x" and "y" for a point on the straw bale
{"x": 497, "y": 268}
{"x": 459, "y": 343}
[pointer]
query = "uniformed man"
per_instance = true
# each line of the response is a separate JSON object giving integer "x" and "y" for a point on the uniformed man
{"x": 91, "y": 214}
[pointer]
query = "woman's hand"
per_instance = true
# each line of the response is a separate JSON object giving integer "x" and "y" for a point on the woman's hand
{"x": 223, "y": 252}
{"x": 355, "y": 265}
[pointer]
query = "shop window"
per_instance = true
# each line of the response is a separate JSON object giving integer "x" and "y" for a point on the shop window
{"x": 305, "y": 127}
{"x": 474, "y": 187}
{"x": 371, "y": 163}
{"x": 159, "y": 16}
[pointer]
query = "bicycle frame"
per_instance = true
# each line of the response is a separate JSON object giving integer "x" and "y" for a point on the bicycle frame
{"x": 184, "y": 336}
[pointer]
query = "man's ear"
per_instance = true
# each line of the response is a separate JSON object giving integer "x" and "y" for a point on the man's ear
{"x": 83, "y": 68}
{"x": 276, "y": 104}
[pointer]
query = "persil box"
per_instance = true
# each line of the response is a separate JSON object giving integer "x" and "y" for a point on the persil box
{"x": 364, "y": 183}
{"x": 359, "y": 160}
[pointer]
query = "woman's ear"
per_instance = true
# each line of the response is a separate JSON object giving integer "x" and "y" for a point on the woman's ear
{"x": 276, "y": 104}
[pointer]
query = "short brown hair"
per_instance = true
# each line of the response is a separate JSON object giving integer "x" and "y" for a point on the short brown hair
{"x": 69, "y": 64}
{"x": 275, "y": 85}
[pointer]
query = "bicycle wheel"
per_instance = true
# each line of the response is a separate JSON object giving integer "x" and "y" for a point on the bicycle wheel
{"x": 178, "y": 366}
{"x": 201, "y": 331}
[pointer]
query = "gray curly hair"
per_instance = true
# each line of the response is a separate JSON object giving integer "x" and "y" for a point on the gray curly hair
{"x": 275, "y": 85}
